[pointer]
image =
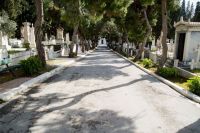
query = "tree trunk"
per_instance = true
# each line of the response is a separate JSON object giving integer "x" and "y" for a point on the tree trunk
{"x": 38, "y": 30}
{"x": 74, "y": 42}
{"x": 164, "y": 30}
{"x": 149, "y": 31}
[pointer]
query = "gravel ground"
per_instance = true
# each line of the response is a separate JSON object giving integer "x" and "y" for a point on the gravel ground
{"x": 102, "y": 94}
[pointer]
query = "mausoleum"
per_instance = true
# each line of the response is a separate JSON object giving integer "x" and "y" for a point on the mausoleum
{"x": 187, "y": 41}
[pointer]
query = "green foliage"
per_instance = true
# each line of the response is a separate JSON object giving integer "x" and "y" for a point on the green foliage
{"x": 12, "y": 7}
{"x": 194, "y": 85}
{"x": 147, "y": 63}
{"x": 174, "y": 10}
{"x": 13, "y": 52}
{"x": 135, "y": 22}
{"x": 2, "y": 101}
{"x": 167, "y": 72}
{"x": 183, "y": 10}
{"x": 72, "y": 55}
{"x": 7, "y": 26}
{"x": 31, "y": 66}
{"x": 196, "y": 17}
{"x": 27, "y": 46}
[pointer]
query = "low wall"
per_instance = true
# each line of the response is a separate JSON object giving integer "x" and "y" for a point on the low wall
{"x": 18, "y": 49}
{"x": 17, "y": 57}
{"x": 184, "y": 73}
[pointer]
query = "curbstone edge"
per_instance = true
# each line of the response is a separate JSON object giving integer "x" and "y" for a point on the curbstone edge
{"x": 177, "y": 88}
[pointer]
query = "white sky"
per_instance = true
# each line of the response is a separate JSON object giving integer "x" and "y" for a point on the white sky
{"x": 194, "y": 2}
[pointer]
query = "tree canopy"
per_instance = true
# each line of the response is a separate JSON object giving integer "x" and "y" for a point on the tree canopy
{"x": 136, "y": 21}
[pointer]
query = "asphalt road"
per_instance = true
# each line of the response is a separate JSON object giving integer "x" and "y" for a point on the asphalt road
{"x": 102, "y": 94}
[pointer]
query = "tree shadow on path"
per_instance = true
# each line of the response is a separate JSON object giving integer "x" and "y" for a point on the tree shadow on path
{"x": 192, "y": 128}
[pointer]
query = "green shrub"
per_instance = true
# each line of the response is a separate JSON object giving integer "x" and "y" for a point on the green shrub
{"x": 27, "y": 46}
{"x": 31, "y": 66}
{"x": 194, "y": 85}
{"x": 168, "y": 72}
{"x": 72, "y": 55}
{"x": 147, "y": 63}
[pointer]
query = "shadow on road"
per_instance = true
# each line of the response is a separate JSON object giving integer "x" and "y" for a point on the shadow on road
{"x": 27, "y": 114}
{"x": 101, "y": 72}
{"x": 78, "y": 98}
{"x": 57, "y": 117}
{"x": 82, "y": 120}
{"x": 23, "y": 115}
{"x": 192, "y": 128}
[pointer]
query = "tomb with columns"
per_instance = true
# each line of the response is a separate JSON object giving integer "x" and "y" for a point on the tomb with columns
{"x": 58, "y": 46}
{"x": 187, "y": 43}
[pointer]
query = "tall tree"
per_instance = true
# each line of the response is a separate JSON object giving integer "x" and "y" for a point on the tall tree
{"x": 191, "y": 10}
{"x": 38, "y": 30}
{"x": 73, "y": 11}
{"x": 196, "y": 17}
{"x": 145, "y": 6}
{"x": 164, "y": 31}
{"x": 187, "y": 11}
{"x": 183, "y": 12}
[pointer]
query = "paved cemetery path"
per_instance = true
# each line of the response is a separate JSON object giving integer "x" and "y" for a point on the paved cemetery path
{"x": 102, "y": 94}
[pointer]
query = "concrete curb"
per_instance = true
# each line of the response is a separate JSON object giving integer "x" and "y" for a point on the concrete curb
{"x": 26, "y": 86}
{"x": 177, "y": 88}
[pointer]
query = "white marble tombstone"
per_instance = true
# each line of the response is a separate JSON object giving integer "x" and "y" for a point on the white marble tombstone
{"x": 32, "y": 37}
{"x": 153, "y": 46}
{"x": 64, "y": 50}
{"x": 51, "y": 53}
{"x": 3, "y": 50}
{"x": 67, "y": 38}
{"x": 60, "y": 33}
{"x": 22, "y": 31}
{"x": 77, "y": 42}
{"x": 26, "y": 31}
{"x": 46, "y": 37}
{"x": 104, "y": 41}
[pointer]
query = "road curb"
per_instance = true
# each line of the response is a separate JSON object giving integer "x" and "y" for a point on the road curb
{"x": 177, "y": 88}
{"x": 26, "y": 86}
